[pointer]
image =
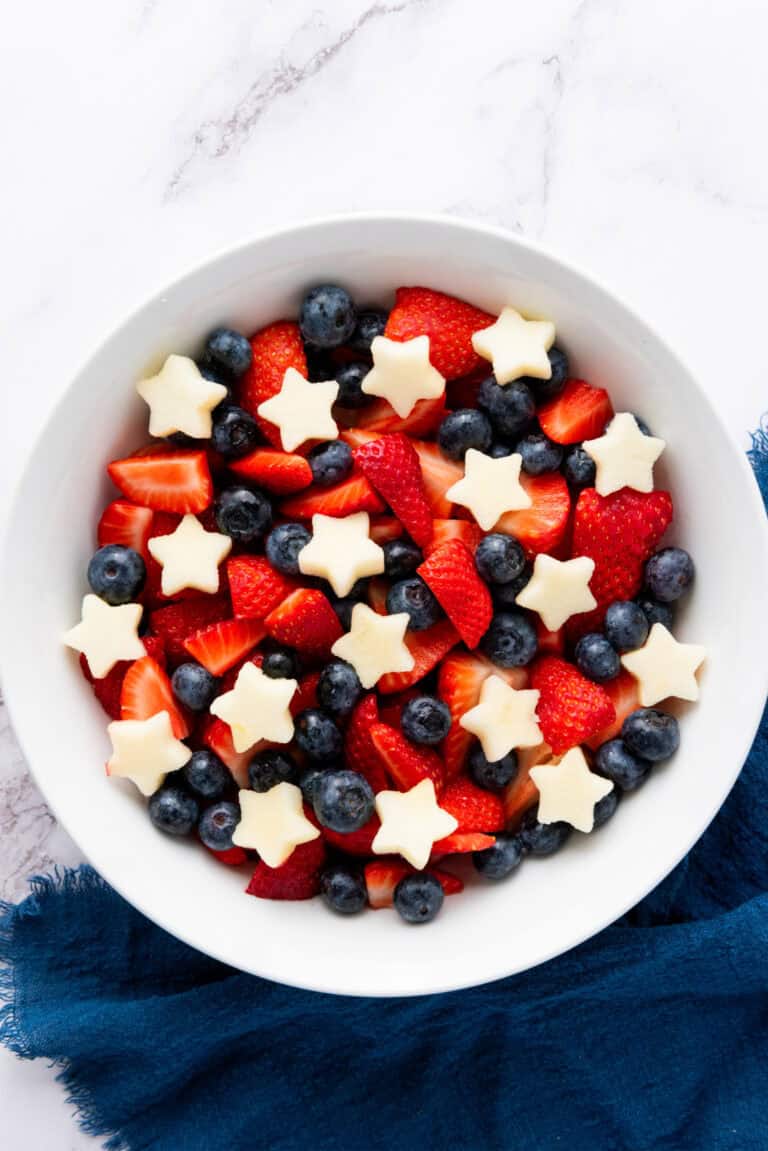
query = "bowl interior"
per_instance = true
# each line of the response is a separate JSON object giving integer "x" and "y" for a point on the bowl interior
{"x": 549, "y": 905}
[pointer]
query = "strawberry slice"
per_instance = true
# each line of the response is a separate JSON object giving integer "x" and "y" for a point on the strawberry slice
{"x": 407, "y": 764}
{"x": 178, "y": 621}
{"x": 443, "y": 530}
{"x": 519, "y": 795}
{"x": 146, "y": 691}
{"x": 217, "y": 736}
{"x": 571, "y": 708}
{"x": 461, "y": 843}
{"x": 127, "y": 524}
{"x": 279, "y": 472}
{"x": 438, "y": 473}
{"x": 384, "y": 528}
{"x": 297, "y": 878}
{"x": 232, "y": 857}
{"x": 306, "y": 621}
{"x": 381, "y": 417}
{"x": 450, "y": 573}
{"x": 358, "y": 842}
{"x": 624, "y": 695}
{"x": 542, "y": 526}
{"x": 448, "y": 322}
{"x": 383, "y": 875}
{"x": 108, "y": 690}
{"x": 392, "y": 466}
{"x": 221, "y": 645}
{"x": 359, "y": 750}
{"x": 461, "y": 678}
{"x": 580, "y": 412}
{"x": 352, "y": 495}
{"x": 427, "y": 648}
{"x": 462, "y": 393}
{"x": 473, "y": 807}
{"x": 275, "y": 348}
{"x": 377, "y": 595}
{"x": 550, "y": 642}
{"x": 305, "y": 695}
{"x": 174, "y": 482}
{"x": 256, "y": 588}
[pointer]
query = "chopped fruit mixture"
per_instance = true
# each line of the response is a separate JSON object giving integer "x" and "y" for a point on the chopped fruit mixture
{"x": 385, "y": 589}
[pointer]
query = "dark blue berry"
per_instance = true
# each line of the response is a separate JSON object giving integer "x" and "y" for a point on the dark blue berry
{"x": 116, "y": 574}
{"x": 320, "y": 364}
{"x": 330, "y": 463}
{"x": 539, "y": 453}
{"x": 605, "y": 808}
{"x": 510, "y": 408}
{"x": 318, "y": 736}
{"x": 493, "y": 775}
{"x": 343, "y": 801}
{"x": 280, "y": 664}
{"x": 616, "y": 762}
{"x": 343, "y": 888}
{"x": 308, "y": 781}
{"x": 173, "y": 811}
{"x": 370, "y": 324}
{"x": 270, "y": 767}
{"x": 327, "y": 317}
{"x": 338, "y": 688}
{"x": 206, "y": 774}
{"x": 464, "y": 429}
{"x": 217, "y": 374}
{"x": 643, "y": 426}
{"x": 414, "y": 597}
{"x": 596, "y": 658}
{"x": 548, "y": 389}
{"x": 499, "y": 558}
{"x": 510, "y": 640}
{"x": 217, "y": 824}
{"x": 230, "y": 350}
{"x": 501, "y": 860}
{"x": 283, "y": 546}
{"x": 425, "y": 719}
{"x": 669, "y": 574}
{"x": 243, "y": 514}
{"x": 194, "y": 686}
{"x": 542, "y": 838}
{"x": 579, "y": 468}
{"x": 505, "y": 594}
{"x": 401, "y": 558}
{"x": 656, "y": 612}
{"x": 350, "y": 378}
{"x": 626, "y": 626}
{"x": 235, "y": 432}
{"x": 418, "y": 897}
{"x": 343, "y": 607}
{"x": 651, "y": 734}
{"x": 498, "y": 450}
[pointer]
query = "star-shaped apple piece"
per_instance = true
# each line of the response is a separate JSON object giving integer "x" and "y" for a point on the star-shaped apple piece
{"x": 375, "y": 644}
{"x": 341, "y": 551}
{"x": 402, "y": 373}
{"x": 302, "y": 410}
{"x": 180, "y": 399}
{"x": 516, "y": 347}
{"x": 190, "y": 557}
{"x": 411, "y": 822}
{"x": 145, "y": 751}
{"x": 558, "y": 589}
{"x": 257, "y": 707}
{"x": 504, "y": 719}
{"x": 665, "y": 668}
{"x": 568, "y": 790}
{"x": 490, "y": 487}
{"x": 273, "y": 823}
{"x": 624, "y": 456}
{"x": 106, "y": 634}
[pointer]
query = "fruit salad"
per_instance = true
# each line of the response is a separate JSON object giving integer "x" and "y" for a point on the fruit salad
{"x": 383, "y": 602}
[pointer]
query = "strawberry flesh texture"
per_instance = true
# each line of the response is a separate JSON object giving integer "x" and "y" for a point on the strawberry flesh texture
{"x": 624, "y": 695}
{"x": 232, "y": 857}
{"x": 358, "y": 842}
{"x": 380, "y": 417}
{"x": 127, "y": 524}
{"x": 278, "y": 472}
{"x": 444, "y": 530}
{"x": 109, "y": 689}
{"x": 217, "y": 736}
{"x": 297, "y": 878}
{"x": 392, "y": 466}
{"x": 541, "y": 527}
{"x": 305, "y": 695}
{"x": 351, "y": 495}
{"x": 449, "y": 323}
{"x": 407, "y": 764}
{"x": 427, "y": 648}
{"x": 221, "y": 645}
{"x": 580, "y": 412}
{"x": 473, "y": 807}
{"x": 383, "y": 875}
{"x": 305, "y": 621}
{"x": 176, "y": 622}
{"x": 275, "y": 349}
{"x": 146, "y": 691}
{"x": 177, "y": 482}
{"x": 360, "y": 753}
{"x": 571, "y": 708}
{"x": 450, "y": 573}
{"x": 461, "y": 843}
{"x": 255, "y": 587}
{"x": 438, "y": 474}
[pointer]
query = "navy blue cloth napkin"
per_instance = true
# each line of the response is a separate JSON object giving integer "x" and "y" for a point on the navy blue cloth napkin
{"x": 653, "y": 1035}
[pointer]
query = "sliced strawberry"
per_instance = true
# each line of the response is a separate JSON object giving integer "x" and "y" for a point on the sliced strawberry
{"x": 108, "y": 690}
{"x": 519, "y": 795}
{"x": 580, "y": 412}
{"x": 377, "y": 595}
{"x": 550, "y": 642}
{"x": 275, "y": 348}
{"x": 279, "y": 472}
{"x": 352, "y": 495}
{"x": 461, "y": 843}
{"x": 451, "y": 884}
{"x": 571, "y": 708}
{"x": 624, "y": 694}
{"x": 306, "y": 621}
{"x": 359, "y": 750}
{"x": 178, "y": 621}
{"x": 229, "y": 678}
{"x": 220, "y": 645}
{"x": 358, "y": 842}
{"x": 407, "y": 764}
{"x": 357, "y": 436}
{"x": 381, "y": 417}
{"x": 384, "y": 528}
{"x": 256, "y": 588}
{"x": 217, "y": 736}
{"x": 450, "y": 573}
{"x": 443, "y": 530}
{"x": 127, "y": 524}
{"x": 449, "y": 323}
{"x": 473, "y": 807}
{"x": 461, "y": 678}
{"x": 305, "y": 695}
{"x": 297, "y": 878}
{"x": 542, "y": 526}
{"x": 427, "y": 648}
{"x": 232, "y": 857}
{"x": 146, "y": 691}
{"x": 462, "y": 393}
{"x": 174, "y": 482}
{"x": 392, "y": 466}
{"x": 383, "y": 875}
{"x": 438, "y": 473}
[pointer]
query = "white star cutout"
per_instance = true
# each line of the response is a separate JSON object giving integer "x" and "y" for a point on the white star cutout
{"x": 516, "y": 347}
{"x": 257, "y": 708}
{"x": 190, "y": 557}
{"x": 180, "y": 399}
{"x": 490, "y": 487}
{"x": 273, "y": 823}
{"x": 504, "y": 719}
{"x": 341, "y": 551}
{"x": 374, "y": 644}
{"x": 664, "y": 668}
{"x": 145, "y": 751}
{"x": 402, "y": 373}
{"x": 411, "y": 821}
{"x": 568, "y": 790}
{"x": 106, "y": 634}
{"x": 624, "y": 457}
{"x": 301, "y": 410}
{"x": 558, "y": 589}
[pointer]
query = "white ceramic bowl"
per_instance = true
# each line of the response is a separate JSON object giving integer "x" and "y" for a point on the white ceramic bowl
{"x": 491, "y": 930}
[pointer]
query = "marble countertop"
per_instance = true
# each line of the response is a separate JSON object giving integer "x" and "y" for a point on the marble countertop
{"x": 140, "y": 137}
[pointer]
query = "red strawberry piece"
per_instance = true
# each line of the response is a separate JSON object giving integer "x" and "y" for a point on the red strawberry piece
{"x": 297, "y": 878}
{"x": 407, "y": 764}
{"x": 146, "y": 691}
{"x": 450, "y": 573}
{"x": 229, "y": 679}
{"x": 255, "y": 587}
{"x": 153, "y": 448}
{"x": 473, "y": 807}
{"x": 108, "y": 690}
{"x": 358, "y": 842}
{"x": 550, "y": 642}
{"x": 381, "y": 417}
{"x": 305, "y": 695}
{"x": 276, "y": 348}
{"x": 221, "y": 645}
{"x": 384, "y": 528}
{"x": 352, "y": 495}
{"x": 438, "y": 474}
{"x": 178, "y": 621}
{"x": 461, "y": 843}
{"x": 542, "y": 526}
{"x": 377, "y": 595}
{"x": 624, "y": 695}
{"x": 359, "y": 751}
{"x": 174, "y": 482}
{"x": 451, "y": 884}
{"x": 217, "y": 736}
{"x": 449, "y": 323}
{"x": 232, "y": 857}
{"x": 427, "y": 648}
{"x": 520, "y": 795}
{"x": 462, "y": 393}
{"x": 465, "y": 530}
{"x": 571, "y": 708}
{"x": 383, "y": 875}
{"x": 392, "y": 466}
{"x": 127, "y": 524}
{"x": 305, "y": 620}
{"x": 279, "y": 472}
{"x": 580, "y": 412}
{"x": 357, "y": 436}
{"x": 461, "y": 677}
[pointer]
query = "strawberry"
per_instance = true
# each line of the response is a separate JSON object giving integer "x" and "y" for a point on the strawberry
{"x": 625, "y": 697}
{"x": 174, "y": 482}
{"x": 220, "y": 645}
{"x": 383, "y": 875}
{"x": 306, "y": 693}
{"x": 109, "y": 689}
{"x": 359, "y": 751}
{"x": 450, "y": 573}
{"x": 276, "y": 348}
{"x": 461, "y": 843}
{"x": 217, "y": 736}
{"x": 550, "y": 642}
{"x": 427, "y": 648}
{"x": 571, "y": 708}
{"x": 232, "y": 857}
{"x": 443, "y": 530}
{"x": 127, "y": 524}
{"x": 146, "y": 691}
{"x": 580, "y": 412}
{"x": 519, "y": 795}
{"x": 153, "y": 448}
{"x": 462, "y": 393}
{"x": 377, "y": 594}
{"x": 450, "y": 883}
{"x": 473, "y": 807}
{"x": 229, "y": 678}
{"x": 352, "y": 495}
{"x": 381, "y": 417}
{"x": 392, "y": 466}
{"x": 178, "y": 621}
{"x": 279, "y": 472}
{"x": 438, "y": 473}
{"x": 357, "y": 436}
{"x": 407, "y": 764}
{"x": 542, "y": 526}
{"x": 384, "y": 528}
{"x": 461, "y": 677}
{"x": 256, "y": 588}
{"x": 358, "y": 842}
{"x": 297, "y": 878}
{"x": 449, "y": 323}
{"x": 306, "y": 621}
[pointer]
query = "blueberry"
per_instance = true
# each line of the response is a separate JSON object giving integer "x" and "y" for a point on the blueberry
{"x": 425, "y": 719}
{"x": 230, "y": 350}
{"x": 499, "y": 558}
{"x": 605, "y": 808}
{"x": 343, "y": 888}
{"x": 579, "y": 467}
{"x": 542, "y": 838}
{"x": 338, "y": 688}
{"x": 643, "y": 426}
{"x": 539, "y": 453}
{"x": 418, "y": 897}
{"x": 505, "y": 594}
{"x": 235, "y": 432}
{"x": 116, "y": 574}
{"x": 320, "y": 364}
{"x": 217, "y": 824}
{"x": 492, "y": 775}
{"x": 651, "y": 734}
{"x": 617, "y": 763}
{"x": 548, "y": 389}
{"x": 318, "y": 736}
{"x": 464, "y": 429}
{"x": 283, "y": 546}
{"x": 243, "y": 514}
{"x": 173, "y": 811}
{"x": 308, "y": 781}
{"x": 343, "y": 607}
{"x": 280, "y": 664}
{"x": 510, "y": 408}
{"x": 270, "y": 767}
{"x": 497, "y": 450}
{"x": 350, "y": 378}
{"x": 370, "y": 324}
{"x": 401, "y": 558}
{"x": 217, "y": 374}
{"x": 206, "y": 775}
{"x": 327, "y": 317}
{"x": 626, "y": 626}
{"x": 510, "y": 640}
{"x": 414, "y": 597}
{"x": 343, "y": 801}
{"x": 596, "y": 658}
{"x": 501, "y": 860}
{"x": 656, "y": 612}
{"x": 330, "y": 463}
{"x": 194, "y": 686}
{"x": 668, "y": 574}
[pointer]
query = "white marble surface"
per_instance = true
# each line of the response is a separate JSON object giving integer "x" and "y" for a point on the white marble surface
{"x": 139, "y": 137}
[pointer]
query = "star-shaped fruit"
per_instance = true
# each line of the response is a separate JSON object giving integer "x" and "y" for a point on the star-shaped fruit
{"x": 190, "y": 557}
{"x": 341, "y": 551}
{"x": 402, "y": 373}
{"x": 273, "y": 823}
{"x": 411, "y": 822}
{"x": 490, "y": 487}
{"x": 568, "y": 790}
{"x": 503, "y": 719}
{"x": 180, "y": 399}
{"x": 516, "y": 347}
{"x": 145, "y": 751}
{"x": 302, "y": 410}
{"x": 375, "y": 645}
{"x": 623, "y": 456}
{"x": 106, "y": 634}
{"x": 257, "y": 708}
{"x": 663, "y": 667}
{"x": 558, "y": 589}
